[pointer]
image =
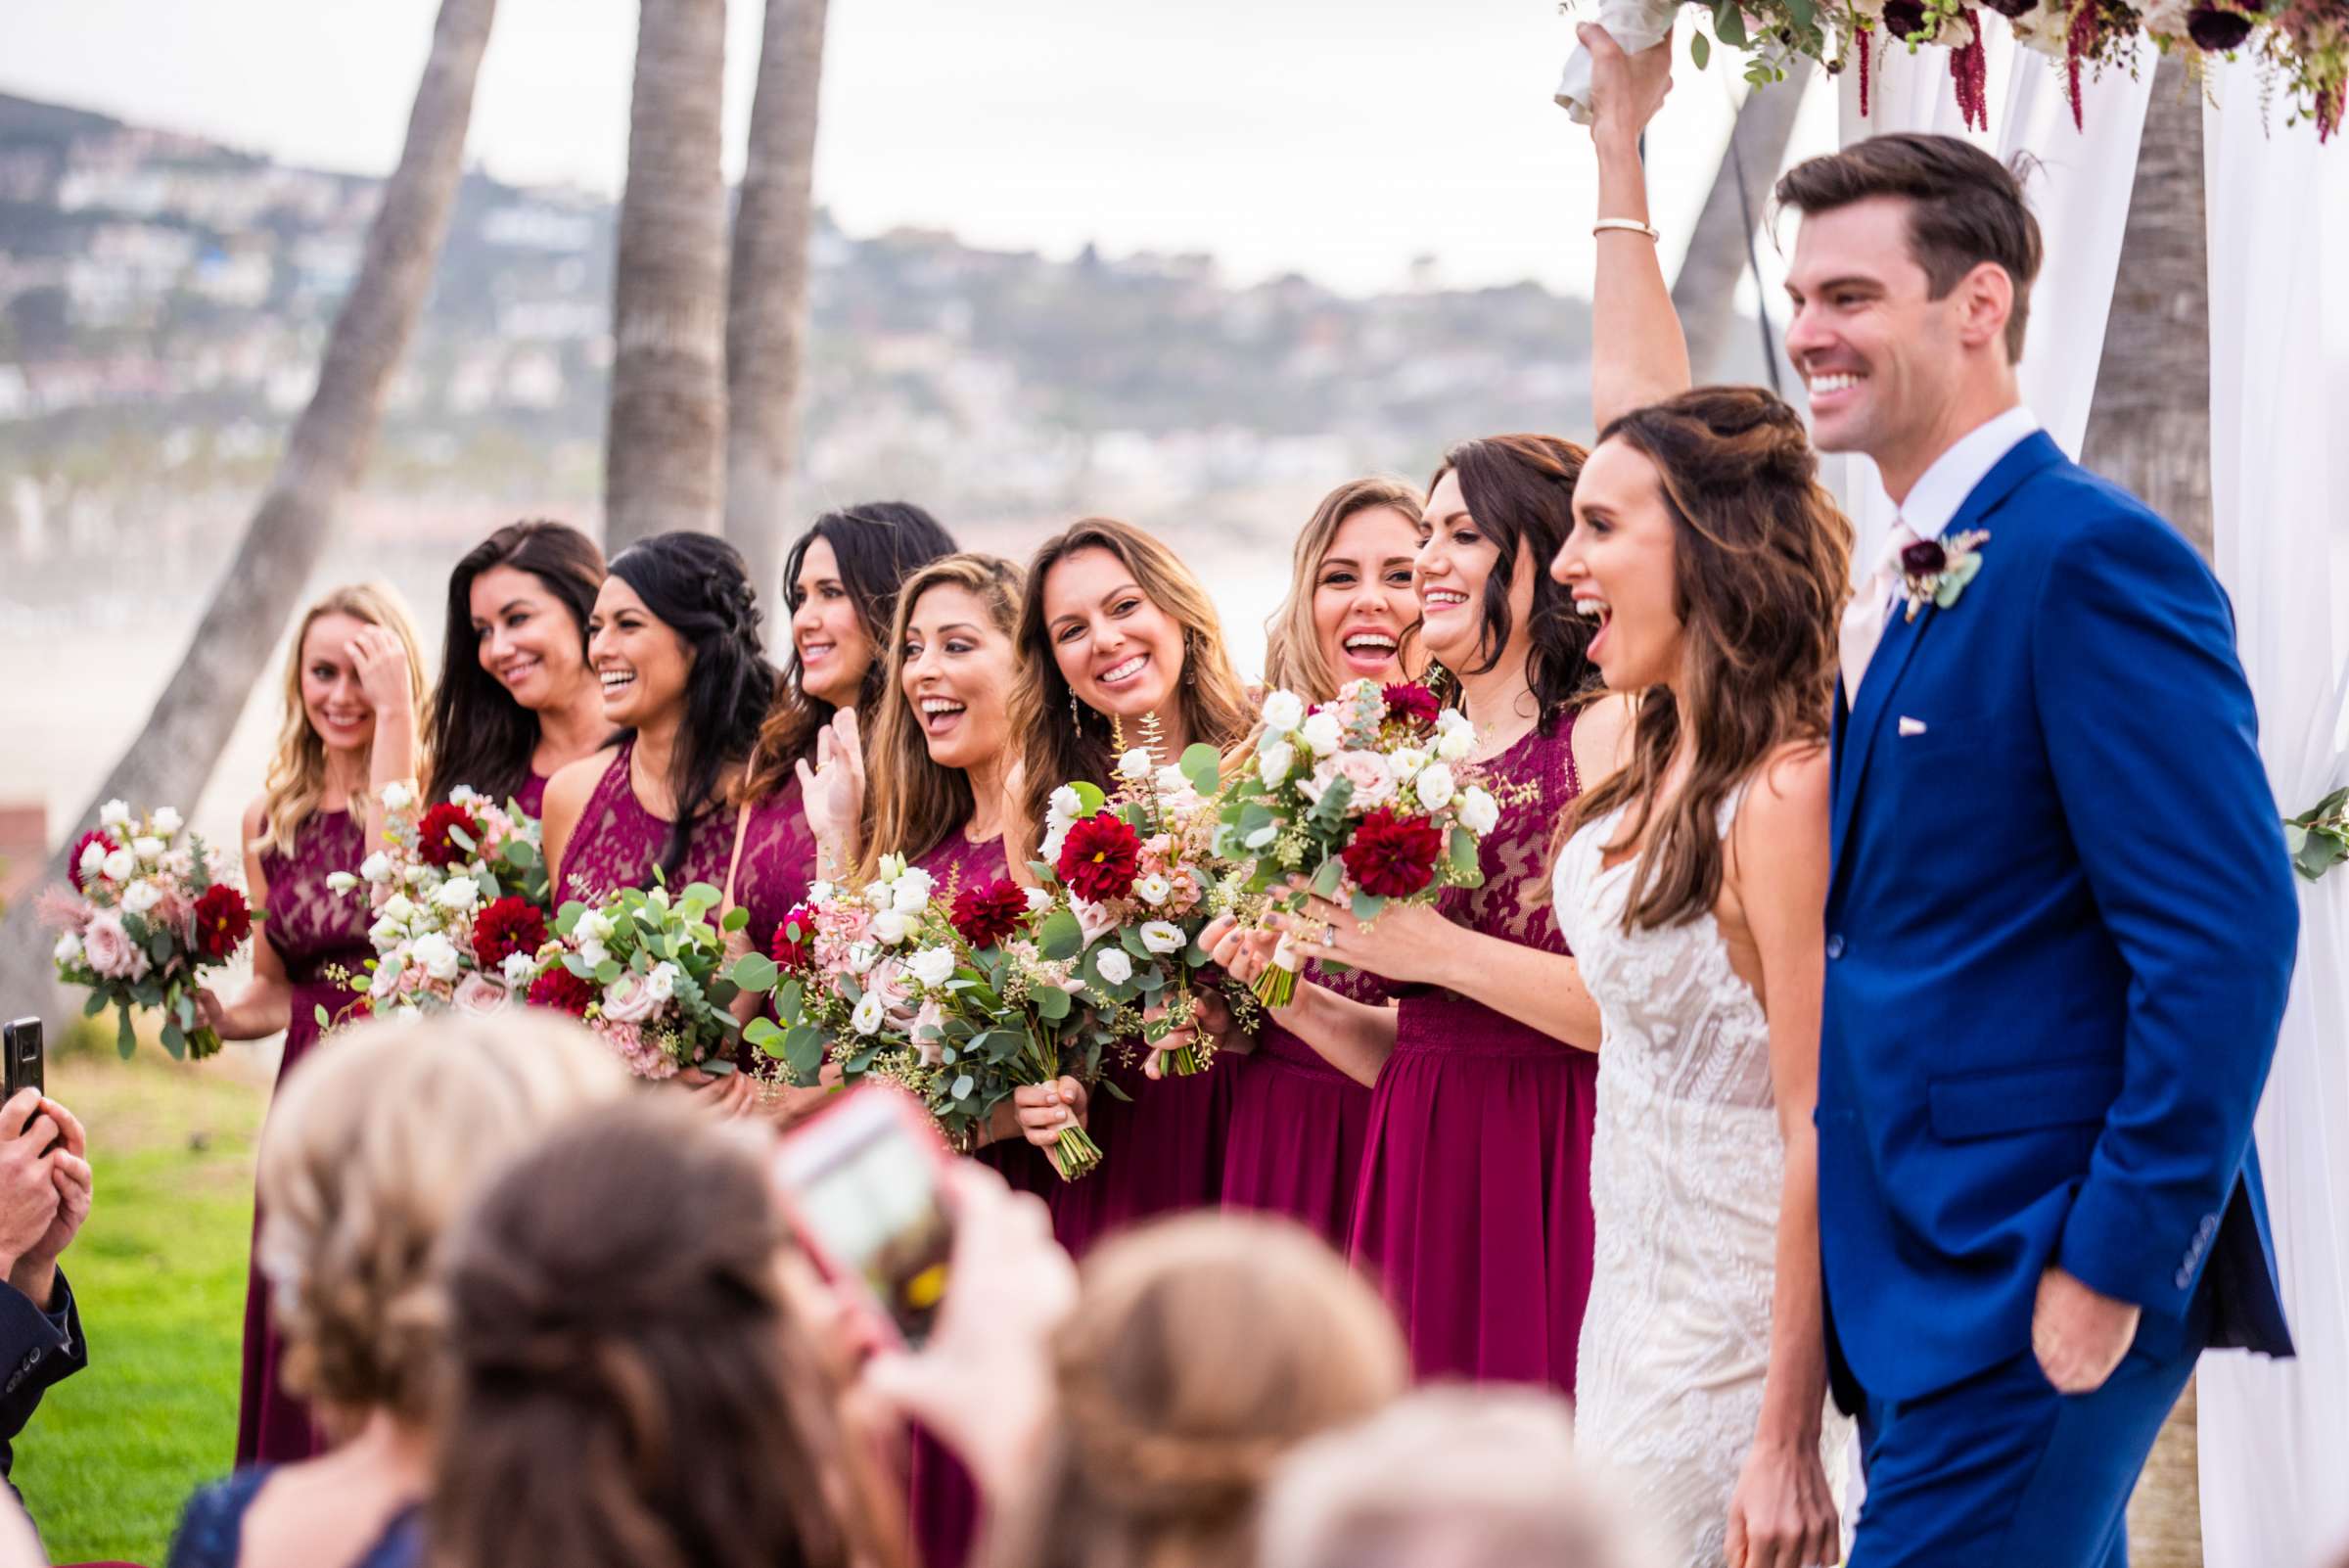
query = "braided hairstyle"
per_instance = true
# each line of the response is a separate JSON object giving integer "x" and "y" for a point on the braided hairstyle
{"x": 1165, "y": 1450}
{"x": 697, "y": 587}
{"x": 1761, "y": 567}
{"x": 630, "y": 1386}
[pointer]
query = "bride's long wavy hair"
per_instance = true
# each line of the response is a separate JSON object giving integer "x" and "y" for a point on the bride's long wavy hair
{"x": 1762, "y": 566}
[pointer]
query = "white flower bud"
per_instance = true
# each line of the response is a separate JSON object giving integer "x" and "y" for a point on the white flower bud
{"x": 113, "y": 815}
{"x": 1114, "y": 966}
{"x": 166, "y": 823}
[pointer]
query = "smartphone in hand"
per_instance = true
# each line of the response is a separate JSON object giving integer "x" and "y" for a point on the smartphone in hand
{"x": 24, "y": 1057}
{"x": 860, "y": 1186}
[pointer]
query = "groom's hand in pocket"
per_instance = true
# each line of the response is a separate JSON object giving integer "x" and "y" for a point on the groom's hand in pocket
{"x": 2078, "y": 1333}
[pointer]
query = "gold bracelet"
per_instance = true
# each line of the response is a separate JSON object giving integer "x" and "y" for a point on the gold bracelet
{"x": 1628, "y": 225}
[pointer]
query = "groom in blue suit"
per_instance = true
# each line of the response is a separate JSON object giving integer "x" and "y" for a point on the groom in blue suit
{"x": 2061, "y": 920}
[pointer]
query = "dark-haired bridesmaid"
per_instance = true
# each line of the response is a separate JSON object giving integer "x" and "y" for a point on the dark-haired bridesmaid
{"x": 1113, "y": 627}
{"x": 517, "y": 701}
{"x": 1299, "y": 1125}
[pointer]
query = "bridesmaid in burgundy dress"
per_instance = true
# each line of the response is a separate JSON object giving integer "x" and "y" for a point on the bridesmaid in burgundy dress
{"x": 516, "y": 700}
{"x": 1474, "y": 1212}
{"x": 353, "y": 688}
{"x": 1298, "y": 1124}
{"x": 1114, "y": 626}
{"x": 674, "y": 641}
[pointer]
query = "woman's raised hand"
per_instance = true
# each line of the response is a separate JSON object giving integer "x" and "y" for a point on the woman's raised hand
{"x": 832, "y": 794}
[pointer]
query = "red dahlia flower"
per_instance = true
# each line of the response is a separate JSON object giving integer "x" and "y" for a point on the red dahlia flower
{"x": 1393, "y": 857}
{"x": 1100, "y": 858}
{"x": 433, "y": 840}
{"x": 1408, "y": 700}
{"x": 81, "y": 847}
{"x": 221, "y": 922}
{"x": 794, "y": 943}
{"x": 985, "y": 916}
{"x": 508, "y": 926}
{"x": 563, "y": 991}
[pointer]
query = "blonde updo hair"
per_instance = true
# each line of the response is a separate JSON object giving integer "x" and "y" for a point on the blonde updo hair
{"x": 1202, "y": 1349}
{"x": 1469, "y": 1477}
{"x": 374, "y": 1145}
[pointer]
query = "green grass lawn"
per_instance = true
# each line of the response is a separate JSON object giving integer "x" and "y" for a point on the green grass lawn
{"x": 159, "y": 1272}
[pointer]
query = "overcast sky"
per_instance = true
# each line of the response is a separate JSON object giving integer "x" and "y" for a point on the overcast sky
{"x": 1340, "y": 138}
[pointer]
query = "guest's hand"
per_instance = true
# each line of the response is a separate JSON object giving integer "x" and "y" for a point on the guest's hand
{"x": 1211, "y": 1024}
{"x": 1626, "y": 89}
{"x": 1403, "y": 943}
{"x": 833, "y": 794}
{"x": 35, "y": 1272}
{"x": 2078, "y": 1333}
{"x": 1047, "y": 1110}
{"x": 1244, "y": 953}
{"x": 381, "y": 660}
{"x": 728, "y": 1094}
{"x": 1783, "y": 1513}
{"x": 29, "y": 1196}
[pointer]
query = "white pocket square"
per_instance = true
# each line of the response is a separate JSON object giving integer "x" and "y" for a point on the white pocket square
{"x": 1912, "y": 726}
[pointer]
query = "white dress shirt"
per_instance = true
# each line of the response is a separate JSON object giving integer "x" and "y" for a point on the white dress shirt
{"x": 1933, "y": 501}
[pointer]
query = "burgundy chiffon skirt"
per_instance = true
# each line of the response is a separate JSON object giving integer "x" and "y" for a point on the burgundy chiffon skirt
{"x": 1298, "y": 1129}
{"x": 1161, "y": 1151}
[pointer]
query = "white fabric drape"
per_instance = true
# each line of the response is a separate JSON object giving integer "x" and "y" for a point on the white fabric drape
{"x": 2081, "y": 199}
{"x": 2275, "y": 1435}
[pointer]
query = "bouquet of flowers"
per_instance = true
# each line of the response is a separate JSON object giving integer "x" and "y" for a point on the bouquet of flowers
{"x": 1370, "y": 795}
{"x": 1135, "y": 879}
{"x": 459, "y": 891}
{"x": 145, "y": 916}
{"x": 646, "y": 971}
{"x": 948, "y": 995}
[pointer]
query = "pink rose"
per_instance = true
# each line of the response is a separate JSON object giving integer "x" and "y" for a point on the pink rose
{"x": 1093, "y": 920}
{"x": 1373, "y": 781}
{"x": 629, "y": 999}
{"x": 641, "y": 1056}
{"x": 479, "y": 994}
{"x": 110, "y": 949}
{"x": 933, "y": 1047}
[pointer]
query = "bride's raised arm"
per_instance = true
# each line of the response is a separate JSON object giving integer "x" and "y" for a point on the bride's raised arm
{"x": 1639, "y": 354}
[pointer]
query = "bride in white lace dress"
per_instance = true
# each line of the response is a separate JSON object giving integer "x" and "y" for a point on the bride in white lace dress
{"x": 1691, "y": 887}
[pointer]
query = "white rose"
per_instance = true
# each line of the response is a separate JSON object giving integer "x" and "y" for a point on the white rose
{"x": 141, "y": 897}
{"x": 890, "y": 927}
{"x": 341, "y": 882}
{"x": 113, "y": 814}
{"x": 1164, "y": 936}
{"x": 866, "y": 1019}
{"x": 594, "y": 926}
{"x": 93, "y": 859}
{"x": 861, "y": 957}
{"x": 418, "y": 875}
{"x": 1434, "y": 787}
{"x": 69, "y": 948}
{"x": 377, "y": 867}
{"x": 1134, "y": 765}
{"x": 932, "y": 966}
{"x": 1406, "y": 761}
{"x": 1457, "y": 744}
{"x": 435, "y": 956}
{"x": 1153, "y": 890}
{"x": 662, "y": 984}
{"x": 1173, "y": 780}
{"x": 1273, "y": 765}
{"x": 399, "y": 796}
{"x": 120, "y": 865}
{"x": 460, "y": 894}
{"x": 399, "y": 907}
{"x": 1284, "y": 710}
{"x": 911, "y": 893}
{"x": 1048, "y": 852}
{"x": 879, "y": 895}
{"x": 1479, "y": 813}
{"x": 1039, "y": 901}
{"x": 148, "y": 848}
{"x": 821, "y": 892}
{"x": 167, "y": 822}
{"x": 592, "y": 953}
{"x": 520, "y": 969}
{"x": 1062, "y": 808}
{"x": 1322, "y": 733}
{"x": 384, "y": 935}
{"x": 1114, "y": 966}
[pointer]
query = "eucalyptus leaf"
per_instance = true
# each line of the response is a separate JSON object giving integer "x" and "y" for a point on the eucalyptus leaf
{"x": 1368, "y": 905}
{"x": 964, "y": 1084}
{"x": 737, "y": 919}
{"x": 1326, "y": 880}
{"x": 1203, "y": 766}
{"x": 754, "y": 971}
{"x": 804, "y": 1051}
{"x": 127, "y": 1042}
{"x": 763, "y": 1033}
{"x": 1060, "y": 937}
{"x": 1089, "y": 798}
{"x": 608, "y": 971}
{"x": 1700, "y": 49}
{"x": 1052, "y": 1004}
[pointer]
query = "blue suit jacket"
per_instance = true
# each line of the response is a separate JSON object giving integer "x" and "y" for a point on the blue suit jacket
{"x": 2060, "y": 929}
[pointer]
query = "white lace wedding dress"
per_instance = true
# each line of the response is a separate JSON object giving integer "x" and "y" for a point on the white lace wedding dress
{"x": 1685, "y": 1171}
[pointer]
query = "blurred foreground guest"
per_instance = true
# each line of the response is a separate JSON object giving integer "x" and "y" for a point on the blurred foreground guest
{"x": 1202, "y": 1349}
{"x": 1447, "y": 1478}
{"x": 647, "y": 1372}
{"x": 371, "y": 1151}
{"x": 354, "y": 688}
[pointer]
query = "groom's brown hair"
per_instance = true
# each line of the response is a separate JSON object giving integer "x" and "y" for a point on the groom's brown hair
{"x": 1965, "y": 208}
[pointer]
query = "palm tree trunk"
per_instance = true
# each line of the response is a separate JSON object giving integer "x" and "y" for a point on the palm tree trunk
{"x": 1704, "y": 292}
{"x": 665, "y": 448}
{"x": 766, "y": 287}
{"x": 2149, "y": 431}
{"x": 184, "y": 734}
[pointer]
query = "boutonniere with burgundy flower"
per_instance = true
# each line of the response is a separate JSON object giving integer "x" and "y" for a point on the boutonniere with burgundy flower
{"x": 1935, "y": 572}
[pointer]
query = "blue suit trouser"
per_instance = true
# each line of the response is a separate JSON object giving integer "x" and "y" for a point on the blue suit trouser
{"x": 2002, "y": 1469}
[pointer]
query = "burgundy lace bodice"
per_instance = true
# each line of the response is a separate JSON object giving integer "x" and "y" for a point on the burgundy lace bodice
{"x": 957, "y": 865}
{"x": 312, "y": 927}
{"x": 619, "y": 843}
